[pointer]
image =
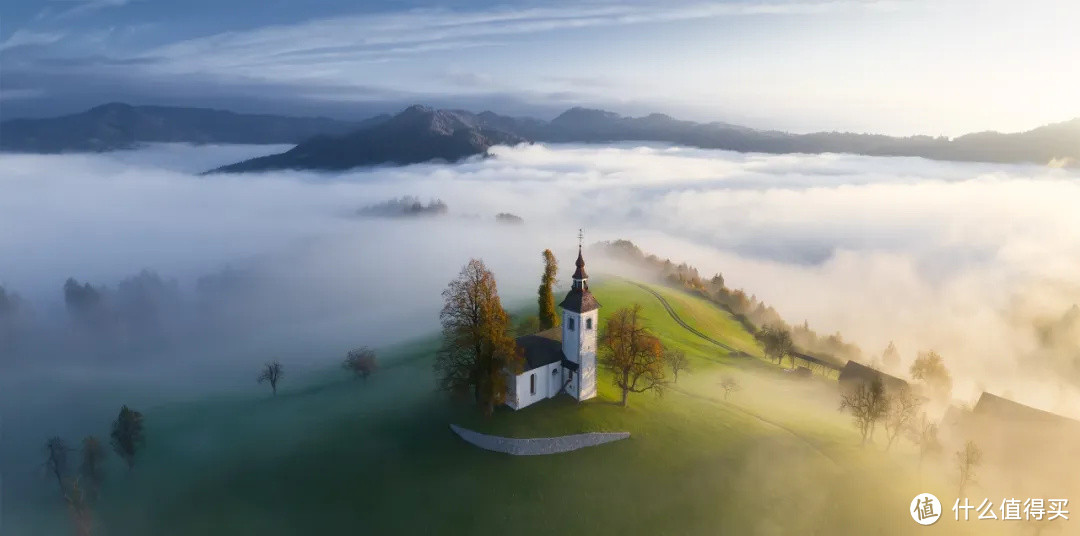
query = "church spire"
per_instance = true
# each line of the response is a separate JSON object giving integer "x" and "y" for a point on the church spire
{"x": 580, "y": 277}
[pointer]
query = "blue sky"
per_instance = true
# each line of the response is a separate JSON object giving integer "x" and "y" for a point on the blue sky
{"x": 892, "y": 66}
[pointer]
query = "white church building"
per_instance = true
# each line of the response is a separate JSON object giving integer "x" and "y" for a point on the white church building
{"x": 561, "y": 359}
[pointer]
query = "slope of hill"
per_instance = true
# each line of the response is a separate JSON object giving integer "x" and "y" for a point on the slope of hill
{"x": 121, "y": 126}
{"x": 418, "y": 134}
{"x": 340, "y": 456}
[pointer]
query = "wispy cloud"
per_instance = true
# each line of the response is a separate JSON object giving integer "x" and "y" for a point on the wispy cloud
{"x": 25, "y": 38}
{"x": 333, "y": 47}
{"x": 84, "y": 7}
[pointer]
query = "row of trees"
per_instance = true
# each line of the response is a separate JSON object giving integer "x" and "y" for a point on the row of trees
{"x": 747, "y": 308}
{"x": 80, "y": 488}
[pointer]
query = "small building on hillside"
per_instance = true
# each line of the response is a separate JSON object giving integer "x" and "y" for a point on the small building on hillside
{"x": 991, "y": 407}
{"x": 561, "y": 359}
{"x": 855, "y": 373}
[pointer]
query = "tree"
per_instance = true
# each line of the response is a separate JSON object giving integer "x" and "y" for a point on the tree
{"x": 360, "y": 361}
{"x": 271, "y": 372}
{"x": 900, "y": 413}
{"x": 127, "y": 435}
{"x": 776, "y": 342}
{"x": 632, "y": 352}
{"x": 477, "y": 352}
{"x": 549, "y": 318}
{"x": 729, "y": 385}
{"x": 867, "y": 403}
{"x": 56, "y": 460}
{"x": 91, "y": 470}
{"x": 967, "y": 461}
{"x": 677, "y": 361}
{"x": 930, "y": 368}
{"x": 79, "y": 506}
{"x": 890, "y": 358}
{"x": 925, "y": 435}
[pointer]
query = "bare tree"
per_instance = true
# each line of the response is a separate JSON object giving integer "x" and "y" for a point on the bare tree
{"x": 968, "y": 461}
{"x": 92, "y": 472}
{"x": 925, "y": 434}
{"x": 867, "y": 403}
{"x": 677, "y": 361}
{"x": 900, "y": 413}
{"x": 729, "y": 385}
{"x": 271, "y": 372}
{"x": 361, "y": 362}
{"x": 56, "y": 459}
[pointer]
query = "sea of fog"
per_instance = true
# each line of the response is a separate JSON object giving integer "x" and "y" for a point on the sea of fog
{"x": 966, "y": 259}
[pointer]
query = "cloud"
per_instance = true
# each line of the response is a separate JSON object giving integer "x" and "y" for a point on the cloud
{"x": 334, "y": 50}
{"x": 26, "y": 38}
{"x": 960, "y": 258}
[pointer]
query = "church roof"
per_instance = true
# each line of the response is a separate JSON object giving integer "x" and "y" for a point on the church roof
{"x": 542, "y": 348}
{"x": 580, "y": 264}
{"x": 580, "y": 300}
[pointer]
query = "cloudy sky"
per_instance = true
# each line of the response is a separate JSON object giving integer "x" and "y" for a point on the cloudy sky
{"x": 891, "y": 66}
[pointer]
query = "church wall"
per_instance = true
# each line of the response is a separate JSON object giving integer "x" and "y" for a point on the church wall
{"x": 548, "y": 381}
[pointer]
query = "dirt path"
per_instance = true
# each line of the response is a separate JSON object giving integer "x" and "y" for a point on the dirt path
{"x": 745, "y": 411}
{"x": 675, "y": 316}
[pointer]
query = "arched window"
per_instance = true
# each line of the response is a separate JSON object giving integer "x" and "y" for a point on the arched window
{"x": 570, "y": 323}
{"x": 588, "y": 323}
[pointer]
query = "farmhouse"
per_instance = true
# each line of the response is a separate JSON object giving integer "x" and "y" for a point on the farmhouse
{"x": 561, "y": 359}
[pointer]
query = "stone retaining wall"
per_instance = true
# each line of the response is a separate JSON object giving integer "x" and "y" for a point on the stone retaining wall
{"x": 537, "y": 446}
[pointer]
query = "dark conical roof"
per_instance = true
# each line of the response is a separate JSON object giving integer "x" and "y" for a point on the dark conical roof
{"x": 579, "y": 299}
{"x": 580, "y": 263}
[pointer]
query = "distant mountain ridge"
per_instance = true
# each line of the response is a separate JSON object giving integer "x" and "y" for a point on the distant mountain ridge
{"x": 122, "y": 126}
{"x": 421, "y": 133}
{"x": 418, "y": 134}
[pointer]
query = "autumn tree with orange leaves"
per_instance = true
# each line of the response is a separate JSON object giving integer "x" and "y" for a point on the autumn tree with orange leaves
{"x": 477, "y": 352}
{"x": 632, "y": 353}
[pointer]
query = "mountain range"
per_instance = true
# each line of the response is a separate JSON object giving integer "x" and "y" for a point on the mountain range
{"x": 420, "y": 134}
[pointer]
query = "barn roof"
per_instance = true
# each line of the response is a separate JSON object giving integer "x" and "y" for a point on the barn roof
{"x": 542, "y": 348}
{"x": 990, "y": 405}
{"x": 854, "y": 371}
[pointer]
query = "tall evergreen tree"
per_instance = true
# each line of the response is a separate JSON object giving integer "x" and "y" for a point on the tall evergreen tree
{"x": 549, "y": 318}
{"x": 477, "y": 350}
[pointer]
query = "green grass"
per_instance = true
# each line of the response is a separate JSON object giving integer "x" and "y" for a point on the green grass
{"x": 340, "y": 456}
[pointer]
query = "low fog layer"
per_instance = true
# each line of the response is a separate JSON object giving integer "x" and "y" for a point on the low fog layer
{"x": 965, "y": 259}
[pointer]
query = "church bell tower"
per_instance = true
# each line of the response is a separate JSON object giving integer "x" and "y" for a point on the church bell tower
{"x": 580, "y": 321}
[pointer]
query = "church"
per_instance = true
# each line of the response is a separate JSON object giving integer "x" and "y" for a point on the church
{"x": 561, "y": 359}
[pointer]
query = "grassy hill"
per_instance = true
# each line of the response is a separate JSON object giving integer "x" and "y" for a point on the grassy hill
{"x": 342, "y": 456}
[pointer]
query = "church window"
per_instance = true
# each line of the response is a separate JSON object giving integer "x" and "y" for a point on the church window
{"x": 588, "y": 323}
{"x": 532, "y": 384}
{"x": 570, "y": 324}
